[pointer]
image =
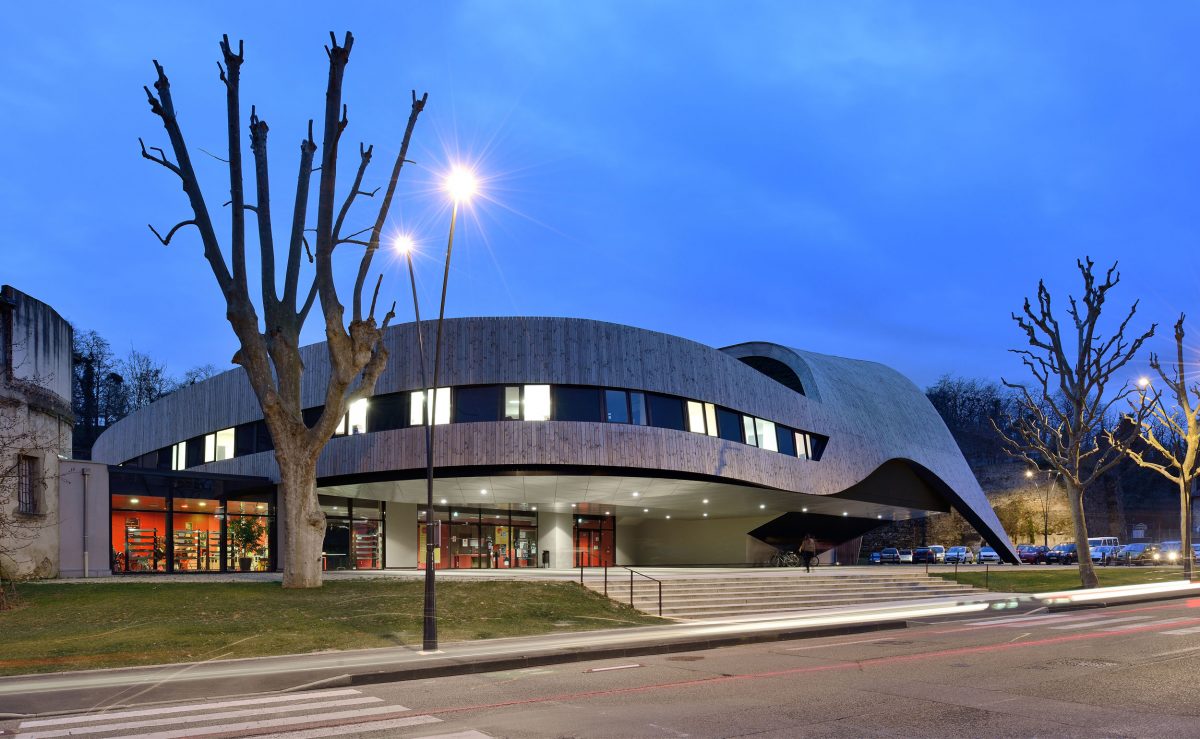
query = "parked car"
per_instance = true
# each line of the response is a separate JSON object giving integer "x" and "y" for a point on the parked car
{"x": 939, "y": 552}
{"x": 959, "y": 555}
{"x": 923, "y": 555}
{"x": 1063, "y": 554}
{"x": 1171, "y": 551}
{"x": 1140, "y": 554}
{"x": 906, "y": 555}
{"x": 874, "y": 558}
{"x": 1104, "y": 554}
{"x": 889, "y": 556}
{"x": 987, "y": 555}
{"x": 1032, "y": 554}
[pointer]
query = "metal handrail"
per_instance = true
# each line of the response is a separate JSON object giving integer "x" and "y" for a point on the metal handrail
{"x": 633, "y": 572}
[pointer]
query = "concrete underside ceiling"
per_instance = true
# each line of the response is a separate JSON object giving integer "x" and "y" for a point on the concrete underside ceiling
{"x": 624, "y": 496}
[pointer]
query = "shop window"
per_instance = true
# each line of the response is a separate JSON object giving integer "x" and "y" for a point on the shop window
{"x": 765, "y": 431}
{"x": 729, "y": 425}
{"x": 386, "y": 412}
{"x": 195, "y": 535}
{"x": 248, "y": 529}
{"x": 749, "y": 429}
{"x": 537, "y": 403}
{"x": 512, "y": 403}
{"x": 665, "y": 411}
{"x": 262, "y": 438}
{"x": 27, "y": 485}
{"x": 477, "y": 404}
{"x": 637, "y": 408}
{"x": 164, "y": 458}
{"x": 616, "y": 406}
{"x": 418, "y": 399}
{"x": 576, "y": 403}
{"x": 785, "y": 440}
{"x": 179, "y": 456}
{"x": 139, "y": 533}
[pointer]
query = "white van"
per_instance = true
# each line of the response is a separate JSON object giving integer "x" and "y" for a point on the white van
{"x": 1103, "y": 541}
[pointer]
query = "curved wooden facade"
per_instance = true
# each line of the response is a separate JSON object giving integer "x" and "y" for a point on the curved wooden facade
{"x": 871, "y": 415}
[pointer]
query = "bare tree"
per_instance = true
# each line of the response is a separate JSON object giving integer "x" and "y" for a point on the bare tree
{"x": 269, "y": 347}
{"x": 1061, "y": 416}
{"x": 1168, "y": 436}
{"x": 145, "y": 380}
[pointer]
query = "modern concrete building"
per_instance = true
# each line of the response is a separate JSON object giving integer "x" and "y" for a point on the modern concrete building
{"x": 559, "y": 442}
{"x": 35, "y": 431}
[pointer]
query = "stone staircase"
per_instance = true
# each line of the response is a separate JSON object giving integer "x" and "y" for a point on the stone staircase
{"x": 757, "y": 592}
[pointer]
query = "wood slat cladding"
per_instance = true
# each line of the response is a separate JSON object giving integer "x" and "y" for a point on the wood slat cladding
{"x": 870, "y": 413}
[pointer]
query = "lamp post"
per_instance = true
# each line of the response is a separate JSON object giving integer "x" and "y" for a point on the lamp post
{"x": 1045, "y": 506}
{"x": 460, "y": 185}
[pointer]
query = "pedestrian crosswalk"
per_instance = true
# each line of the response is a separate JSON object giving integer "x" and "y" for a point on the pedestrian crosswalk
{"x": 305, "y": 715}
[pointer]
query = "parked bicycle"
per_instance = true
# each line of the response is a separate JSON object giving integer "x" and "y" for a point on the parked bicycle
{"x": 790, "y": 559}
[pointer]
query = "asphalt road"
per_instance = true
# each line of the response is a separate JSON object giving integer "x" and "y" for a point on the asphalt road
{"x": 1122, "y": 671}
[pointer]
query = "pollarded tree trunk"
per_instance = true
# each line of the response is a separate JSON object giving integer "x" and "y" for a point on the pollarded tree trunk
{"x": 269, "y": 341}
{"x": 1087, "y": 571}
{"x": 304, "y": 520}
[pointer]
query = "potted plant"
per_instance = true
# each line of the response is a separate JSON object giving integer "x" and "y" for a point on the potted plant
{"x": 245, "y": 536}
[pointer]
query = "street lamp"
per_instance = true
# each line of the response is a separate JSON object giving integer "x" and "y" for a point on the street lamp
{"x": 1045, "y": 505}
{"x": 460, "y": 184}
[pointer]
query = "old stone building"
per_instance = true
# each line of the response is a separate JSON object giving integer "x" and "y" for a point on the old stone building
{"x": 35, "y": 432}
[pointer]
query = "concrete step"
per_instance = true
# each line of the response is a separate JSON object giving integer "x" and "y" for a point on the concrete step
{"x": 743, "y": 594}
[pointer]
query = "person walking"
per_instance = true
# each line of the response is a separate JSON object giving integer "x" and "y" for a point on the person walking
{"x": 808, "y": 550}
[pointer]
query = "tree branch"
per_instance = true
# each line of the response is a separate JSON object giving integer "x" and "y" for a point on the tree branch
{"x": 167, "y": 239}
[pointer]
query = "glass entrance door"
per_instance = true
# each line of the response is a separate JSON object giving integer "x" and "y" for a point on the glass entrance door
{"x": 595, "y": 542}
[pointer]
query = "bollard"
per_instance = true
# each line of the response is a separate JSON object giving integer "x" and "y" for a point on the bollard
{"x": 986, "y": 570}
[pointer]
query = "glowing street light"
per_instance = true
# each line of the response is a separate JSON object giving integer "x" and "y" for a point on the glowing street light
{"x": 461, "y": 185}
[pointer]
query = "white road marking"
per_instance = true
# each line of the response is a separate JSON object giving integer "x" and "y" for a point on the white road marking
{"x": 838, "y": 644}
{"x": 469, "y": 734}
{"x": 1177, "y": 651}
{"x": 385, "y": 725}
{"x": 1184, "y": 632}
{"x": 615, "y": 667}
{"x": 249, "y": 726}
{"x": 1102, "y": 622}
{"x": 1163, "y": 622}
{"x": 84, "y": 718}
{"x": 202, "y": 715}
{"x": 1053, "y": 618}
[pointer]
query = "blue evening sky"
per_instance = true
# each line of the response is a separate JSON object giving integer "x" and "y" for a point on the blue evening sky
{"x": 877, "y": 180}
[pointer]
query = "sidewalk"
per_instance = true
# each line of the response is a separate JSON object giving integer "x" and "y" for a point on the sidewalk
{"x": 68, "y": 691}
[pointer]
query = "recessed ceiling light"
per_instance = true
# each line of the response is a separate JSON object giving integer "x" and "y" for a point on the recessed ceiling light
{"x": 636, "y": 493}
{"x": 706, "y": 515}
{"x": 668, "y": 515}
{"x": 804, "y": 510}
{"x": 534, "y": 508}
{"x": 607, "y": 513}
{"x": 762, "y": 505}
{"x": 133, "y": 500}
{"x": 483, "y": 492}
{"x": 845, "y": 513}
{"x": 443, "y": 501}
{"x": 202, "y": 504}
{"x": 879, "y": 515}
{"x": 645, "y": 510}
{"x": 706, "y": 501}
{"x": 572, "y": 505}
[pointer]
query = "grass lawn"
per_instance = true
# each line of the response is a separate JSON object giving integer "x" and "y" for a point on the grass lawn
{"x": 58, "y": 627}
{"x": 1034, "y": 579}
